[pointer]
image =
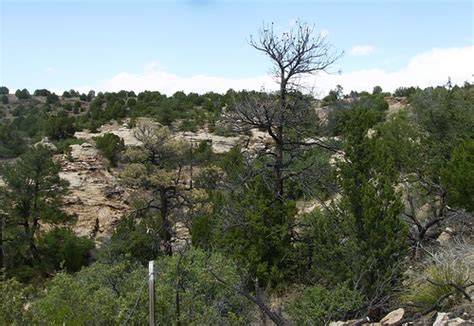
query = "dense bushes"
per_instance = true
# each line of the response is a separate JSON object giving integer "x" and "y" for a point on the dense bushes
{"x": 338, "y": 241}
{"x": 22, "y": 94}
{"x": 317, "y": 305}
{"x": 12, "y": 141}
{"x": 59, "y": 126}
{"x": 116, "y": 294}
{"x": 62, "y": 249}
{"x": 458, "y": 176}
{"x": 110, "y": 146}
{"x": 13, "y": 298}
{"x": 31, "y": 196}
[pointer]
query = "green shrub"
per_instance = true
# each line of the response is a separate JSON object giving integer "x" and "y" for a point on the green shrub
{"x": 59, "y": 126}
{"x": 22, "y": 94}
{"x": 317, "y": 305}
{"x": 458, "y": 176}
{"x": 132, "y": 241}
{"x": 13, "y": 297}
{"x": 437, "y": 286}
{"x": 52, "y": 99}
{"x": 63, "y": 144}
{"x": 110, "y": 146}
{"x": 188, "y": 125}
{"x": 67, "y": 107}
{"x": 74, "y": 300}
{"x": 41, "y": 92}
{"x": 61, "y": 248}
{"x": 116, "y": 294}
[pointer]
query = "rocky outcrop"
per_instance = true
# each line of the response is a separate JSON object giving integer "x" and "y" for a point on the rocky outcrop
{"x": 396, "y": 318}
{"x": 46, "y": 143}
{"x": 122, "y": 131}
{"x": 444, "y": 319}
{"x": 181, "y": 237}
{"x": 95, "y": 195}
{"x": 396, "y": 104}
{"x": 220, "y": 144}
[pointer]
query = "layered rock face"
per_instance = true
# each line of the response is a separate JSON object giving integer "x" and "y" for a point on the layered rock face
{"x": 95, "y": 195}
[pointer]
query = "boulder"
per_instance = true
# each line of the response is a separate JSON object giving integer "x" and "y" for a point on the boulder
{"x": 441, "y": 319}
{"x": 444, "y": 238}
{"x": 459, "y": 321}
{"x": 337, "y": 323}
{"x": 393, "y": 317}
{"x": 46, "y": 143}
{"x": 354, "y": 322}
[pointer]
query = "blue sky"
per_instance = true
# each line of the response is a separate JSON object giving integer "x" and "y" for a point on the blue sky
{"x": 202, "y": 45}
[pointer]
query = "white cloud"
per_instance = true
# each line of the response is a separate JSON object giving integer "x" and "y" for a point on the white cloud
{"x": 429, "y": 68}
{"x": 49, "y": 70}
{"x": 324, "y": 32}
{"x": 362, "y": 50}
{"x": 165, "y": 82}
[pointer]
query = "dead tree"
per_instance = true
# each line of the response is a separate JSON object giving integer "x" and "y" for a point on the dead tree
{"x": 286, "y": 114}
{"x": 437, "y": 211}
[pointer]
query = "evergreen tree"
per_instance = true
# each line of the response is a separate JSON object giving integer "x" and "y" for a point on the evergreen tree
{"x": 155, "y": 171}
{"x": 366, "y": 232}
{"x": 458, "y": 176}
{"x": 32, "y": 197}
{"x": 110, "y": 146}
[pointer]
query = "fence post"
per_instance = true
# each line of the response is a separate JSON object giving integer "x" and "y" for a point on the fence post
{"x": 151, "y": 291}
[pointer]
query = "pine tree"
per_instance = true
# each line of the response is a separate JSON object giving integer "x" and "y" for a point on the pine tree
{"x": 32, "y": 196}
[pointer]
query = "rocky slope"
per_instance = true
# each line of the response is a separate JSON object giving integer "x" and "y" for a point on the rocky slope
{"x": 95, "y": 195}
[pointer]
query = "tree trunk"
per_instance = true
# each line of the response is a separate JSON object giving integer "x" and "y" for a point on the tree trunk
{"x": 278, "y": 164}
{"x": 278, "y": 167}
{"x": 1, "y": 244}
{"x": 165, "y": 223}
{"x": 178, "y": 308}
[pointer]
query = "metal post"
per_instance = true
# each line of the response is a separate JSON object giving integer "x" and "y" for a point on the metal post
{"x": 151, "y": 290}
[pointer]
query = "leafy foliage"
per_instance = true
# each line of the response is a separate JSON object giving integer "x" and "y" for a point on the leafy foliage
{"x": 366, "y": 230}
{"x": 317, "y": 305}
{"x": 59, "y": 126}
{"x": 22, "y": 94}
{"x": 383, "y": 168}
{"x": 32, "y": 196}
{"x": 458, "y": 176}
{"x": 441, "y": 283}
{"x": 12, "y": 142}
{"x": 110, "y": 146}
{"x": 108, "y": 294}
{"x": 13, "y": 297}
{"x": 60, "y": 248}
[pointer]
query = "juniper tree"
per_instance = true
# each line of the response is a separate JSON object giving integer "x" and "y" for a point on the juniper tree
{"x": 157, "y": 171}
{"x": 32, "y": 196}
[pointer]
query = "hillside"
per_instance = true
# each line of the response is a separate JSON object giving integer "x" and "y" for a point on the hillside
{"x": 189, "y": 180}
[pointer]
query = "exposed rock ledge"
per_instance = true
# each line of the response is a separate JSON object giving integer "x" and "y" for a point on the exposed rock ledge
{"x": 396, "y": 317}
{"x": 95, "y": 196}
